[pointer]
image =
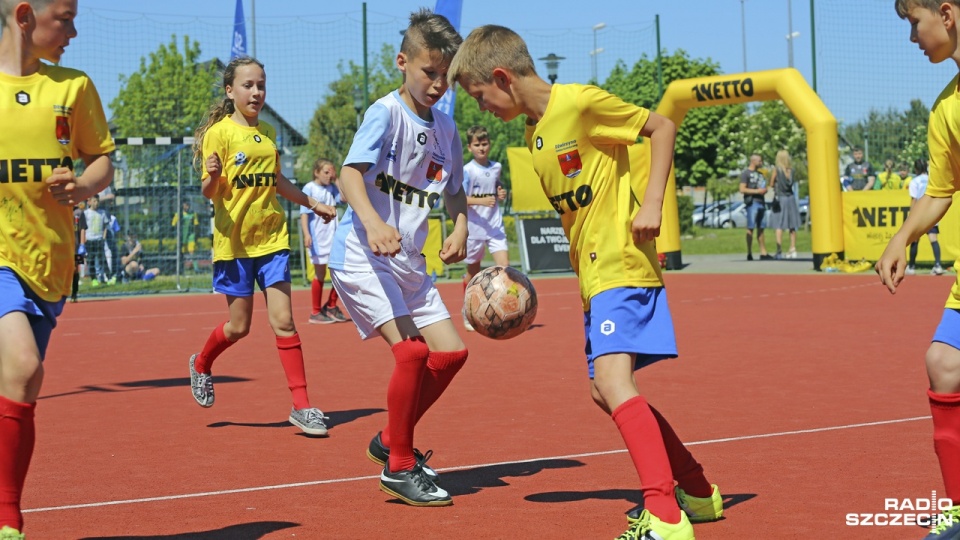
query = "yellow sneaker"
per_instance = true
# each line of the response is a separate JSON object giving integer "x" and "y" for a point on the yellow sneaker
{"x": 650, "y": 527}
{"x": 701, "y": 510}
{"x": 9, "y": 533}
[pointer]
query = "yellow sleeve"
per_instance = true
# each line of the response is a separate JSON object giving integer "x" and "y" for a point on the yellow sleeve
{"x": 942, "y": 181}
{"x": 213, "y": 142}
{"x": 92, "y": 133}
{"x": 610, "y": 119}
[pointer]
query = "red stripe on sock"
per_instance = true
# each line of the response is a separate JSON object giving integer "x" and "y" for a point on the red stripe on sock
{"x": 403, "y": 396}
{"x": 291, "y": 357}
{"x": 946, "y": 439}
{"x": 215, "y": 345}
{"x": 316, "y": 294}
{"x": 17, "y": 433}
{"x": 641, "y": 433}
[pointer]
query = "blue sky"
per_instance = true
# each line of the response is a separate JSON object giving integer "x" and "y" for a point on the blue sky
{"x": 875, "y": 48}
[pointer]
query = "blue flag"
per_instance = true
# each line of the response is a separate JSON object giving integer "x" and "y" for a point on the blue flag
{"x": 239, "y": 45}
{"x": 451, "y": 10}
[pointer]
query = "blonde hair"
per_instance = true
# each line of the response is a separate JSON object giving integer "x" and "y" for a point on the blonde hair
{"x": 6, "y": 8}
{"x": 783, "y": 160}
{"x": 903, "y": 7}
{"x": 487, "y": 48}
{"x": 432, "y": 32}
{"x": 318, "y": 165}
{"x": 221, "y": 109}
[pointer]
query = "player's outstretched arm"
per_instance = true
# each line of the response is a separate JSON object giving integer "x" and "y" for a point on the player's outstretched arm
{"x": 69, "y": 189}
{"x": 455, "y": 246}
{"x": 926, "y": 213}
{"x": 382, "y": 238}
{"x": 290, "y": 192}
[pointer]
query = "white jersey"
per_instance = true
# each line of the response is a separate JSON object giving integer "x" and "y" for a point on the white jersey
{"x": 412, "y": 163}
{"x": 480, "y": 181}
{"x": 918, "y": 186}
{"x": 321, "y": 233}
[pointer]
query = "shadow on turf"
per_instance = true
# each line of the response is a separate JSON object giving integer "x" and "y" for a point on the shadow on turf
{"x": 141, "y": 385}
{"x": 632, "y": 496}
{"x": 336, "y": 418}
{"x": 246, "y": 531}
{"x": 470, "y": 481}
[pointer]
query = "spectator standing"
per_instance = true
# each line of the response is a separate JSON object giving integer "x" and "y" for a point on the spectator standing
{"x": 860, "y": 172}
{"x": 786, "y": 213}
{"x": 753, "y": 186}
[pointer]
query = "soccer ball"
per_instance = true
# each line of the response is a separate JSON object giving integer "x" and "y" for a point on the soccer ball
{"x": 500, "y": 302}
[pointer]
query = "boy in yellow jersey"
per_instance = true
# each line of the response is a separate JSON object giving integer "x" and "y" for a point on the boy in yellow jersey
{"x": 52, "y": 117}
{"x": 933, "y": 26}
{"x": 578, "y": 136}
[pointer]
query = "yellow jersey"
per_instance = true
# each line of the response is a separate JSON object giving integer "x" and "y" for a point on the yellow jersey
{"x": 248, "y": 218}
{"x": 943, "y": 141}
{"x": 580, "y": 153}
{"x": 51, "y": 118}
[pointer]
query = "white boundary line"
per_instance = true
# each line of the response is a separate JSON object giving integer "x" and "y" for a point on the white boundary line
{"x": 458, "y": 468}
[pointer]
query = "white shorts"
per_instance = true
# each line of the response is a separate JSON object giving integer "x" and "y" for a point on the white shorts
{"x": 376, "y": 297}
{"x": 494, "y": 242}
{"x": 319, "y": 259}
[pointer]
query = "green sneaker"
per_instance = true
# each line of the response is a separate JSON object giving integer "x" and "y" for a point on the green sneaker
{"x": 945, "y": 527}
{"x": 650, "y": 527}
{"x": 9, "y": 533}
{"x": 701, "y": 510}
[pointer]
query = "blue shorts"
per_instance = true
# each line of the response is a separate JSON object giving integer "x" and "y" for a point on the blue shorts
{"x": 236, "y": 277}
{"x": 755, "y": 213}
{"x": 949, "y": 329}
{"x": 632, "y": 320}
{"x": 15, "y": 295}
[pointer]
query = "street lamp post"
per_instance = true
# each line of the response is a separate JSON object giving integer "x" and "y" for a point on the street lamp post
{"x": 791, "y": 35}
{"x": 596, "y": 50}
{"x": 553, "y": 61}
{"x": 743, "y": 31}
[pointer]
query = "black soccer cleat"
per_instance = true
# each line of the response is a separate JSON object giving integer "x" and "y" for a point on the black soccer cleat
{"x": 379, "y": 454}
{"x": 413, "y": 487}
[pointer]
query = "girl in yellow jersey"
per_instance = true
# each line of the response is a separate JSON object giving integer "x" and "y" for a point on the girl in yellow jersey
{"x": 52, "y": 116}
{"x": 250, "y": 242}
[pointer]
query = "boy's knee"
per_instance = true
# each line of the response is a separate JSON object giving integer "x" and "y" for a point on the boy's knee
{"x": 237, "y": 331}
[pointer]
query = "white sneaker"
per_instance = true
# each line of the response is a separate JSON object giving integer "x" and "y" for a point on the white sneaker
{"x": 910, "y": 270}
{"x": 937, "y": 270}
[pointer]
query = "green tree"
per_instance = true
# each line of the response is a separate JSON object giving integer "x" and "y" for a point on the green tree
{"x": 891, "y": 134}
{"x": 771, "y": 127}
{"x": 166, "y": 97}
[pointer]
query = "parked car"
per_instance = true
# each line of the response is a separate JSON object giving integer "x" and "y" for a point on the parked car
{"x": 725, "y": 215}
{"x": 709, "y": 215}
{"x": 804, "y": 205}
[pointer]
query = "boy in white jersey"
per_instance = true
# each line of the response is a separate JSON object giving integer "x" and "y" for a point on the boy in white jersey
{"x": 933, "y": 26}
{"x": 916, "y": 189}
{"x": 404, "y": 158}
{"x": 52, "y": 117}
{"x": 481, "y": 181}
{"x": 578, "y": 137}
{"x": 318, "y": 239}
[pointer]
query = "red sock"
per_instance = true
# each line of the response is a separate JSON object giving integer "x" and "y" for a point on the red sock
{"x": 946, "y": 439}
{"x": 332, "y": 300}
{"x": 641, "y": 433}
{"x": 291, "y": 356}
{"x": 316, "y": 293}
{"x": 216, "y": 344}
{"x": 403, "y": 395}
{"x": 441, "y": 368}
{"x": 17, "y": 433}
{"x": 686, "y": 470}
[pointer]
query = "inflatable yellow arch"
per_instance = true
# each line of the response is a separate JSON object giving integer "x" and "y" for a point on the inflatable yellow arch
{"x": 826, "y": 209}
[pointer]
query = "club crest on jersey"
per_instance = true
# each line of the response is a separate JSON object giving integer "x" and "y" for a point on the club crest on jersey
{"x": 257, "y": 138}
{"x": 240, "y": 159}
{"x": 22, "y": 97}
{"x": 434, "y": 172}
{"x": 570, "y": 163}
{"x": 63, "y": 130}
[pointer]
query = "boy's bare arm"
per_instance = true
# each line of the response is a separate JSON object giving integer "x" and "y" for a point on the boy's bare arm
{"x": 381, "y": 238}
{"x": 662, "y": 134}
{"x": 305, "y": 229}
{"x": 69, "y": 189}
{"x": 455, "y": 246}
{"x": 926, "y": 213}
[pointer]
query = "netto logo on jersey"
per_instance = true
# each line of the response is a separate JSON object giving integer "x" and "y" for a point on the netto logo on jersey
{"x": 724, "y": 89}
{"x": 405, "y": 193}
{"x": 880, "y": 216}
{"x": 22, "y": 97}
{"x": 30, "y": 170}
{"x": 572, "y": 200}
{"x": 254, "y": 180}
